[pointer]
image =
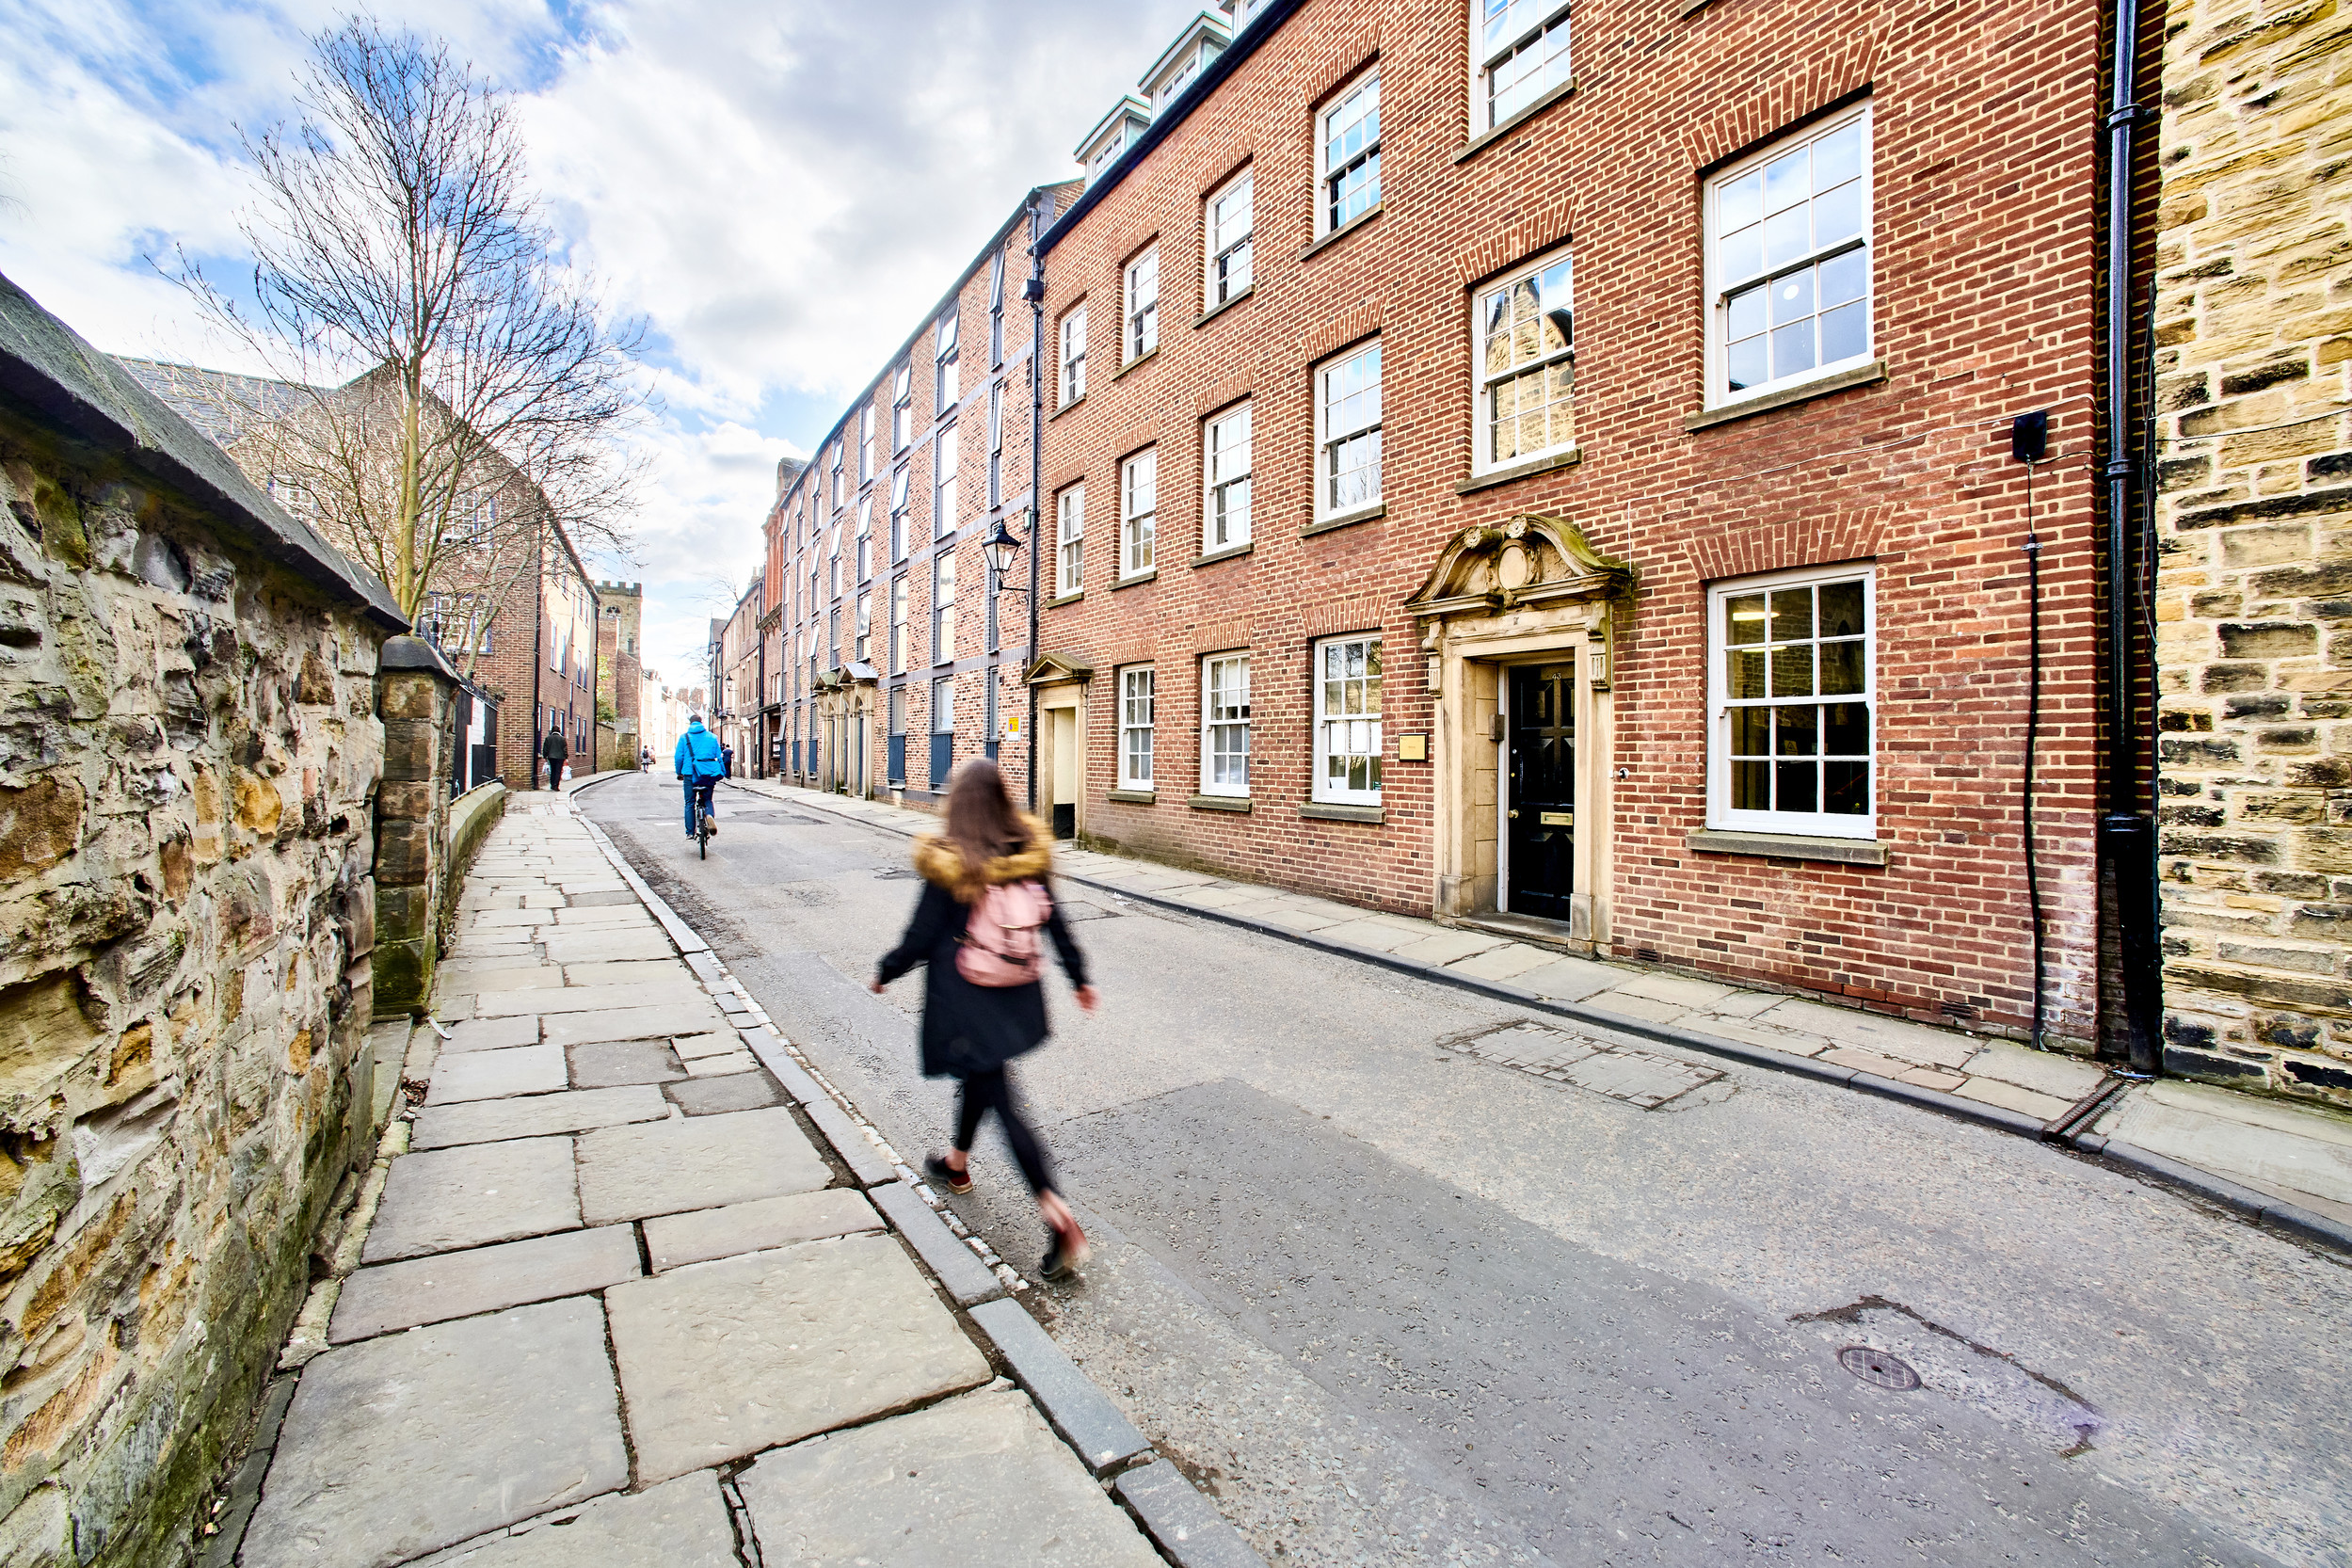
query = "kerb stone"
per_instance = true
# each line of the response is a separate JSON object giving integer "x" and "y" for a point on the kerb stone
{"x": 1103, "y": 1436}
{"x": 966, "y": 1278}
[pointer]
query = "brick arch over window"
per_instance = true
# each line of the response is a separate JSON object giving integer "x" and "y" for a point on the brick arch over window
{"x": 1786, "y": 546}
{"x": 1543, "y": 226}
{"x": 1358, "y": 322}
{"x": 1778, "y": 106}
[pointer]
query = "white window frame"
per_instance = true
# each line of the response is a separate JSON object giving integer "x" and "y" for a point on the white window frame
{"x": 1818, "y": 824}
{"x": 1072, "y": 355}
{"x": 900, "y": 636}
{"x": 1504, "y": 33}
{"x": 1138, "y": 700}
{"x": 947, "y": 356}
{"x": 1139, "y": 513}
{"x": 1346, "y": 106}
{"x": 1221, "y": 718}
{"x": 1139, "y": 321}
{"x": 865, "y": 442}
{"x": 943, "y": 607}
{"x": 1327, "y": 440}
{"x": 1345, "y": 725}
{"x": 943, "y": 499}
{"x": 1226, "y": 479}
{"x": 902, "y": 407}
{"x": 995, "y": 310}
{"x": 1721, "y": 288}
{"x": 837, "y": 476}
{"x": 996, "y": 444}
{"x": 862, "y": 640}
{"x": 1070, "y": 541}
{"x": 900, "y": 485}
{"x": 1228, "y": 225}
{"x": 1484, "y": 381}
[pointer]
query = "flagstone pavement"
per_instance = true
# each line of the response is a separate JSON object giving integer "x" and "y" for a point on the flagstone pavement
{"x": 617, "y": 1305}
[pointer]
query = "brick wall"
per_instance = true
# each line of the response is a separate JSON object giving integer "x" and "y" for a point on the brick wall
{"x": 1984, "y": 273}
{"x": 2254, "y": 360}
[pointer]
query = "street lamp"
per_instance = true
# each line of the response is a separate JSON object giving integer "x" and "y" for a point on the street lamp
{"x": 998, "y": 550}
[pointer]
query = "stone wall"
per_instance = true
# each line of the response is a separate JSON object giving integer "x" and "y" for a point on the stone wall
{"x": 413, "y": 877}
{"x": 2254, "y": 596}
{"x": 189, "y": 755}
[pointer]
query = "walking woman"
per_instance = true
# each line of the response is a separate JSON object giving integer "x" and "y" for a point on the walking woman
{"x": 974, "y": 1028}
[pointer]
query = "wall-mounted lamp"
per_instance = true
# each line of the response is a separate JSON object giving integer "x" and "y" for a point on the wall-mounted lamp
{"x": 998, "y": 550}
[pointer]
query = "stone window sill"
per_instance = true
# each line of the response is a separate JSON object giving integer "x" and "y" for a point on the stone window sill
{"x": 1134, "y": 798}
{"x": 1358, "y": 221}
{"x": 1860, "y": 376}
{"x": 1137, "y": 362}
{"x": 1136, "y": 581}
{"x": 1225, "y": 554}
{"x": 1345, "y": 520}
{"x": 1066, "y": 599}
{"x": 1569, "y": 458}
{"x": 1219, "y": 803}
{"x": 1785, "y": 847}
{"x": 1076, "y": 402}
{"x": 1484, "y": 140}
{"x": 1215, "y": 311}
{"x": 1331, "y": 811}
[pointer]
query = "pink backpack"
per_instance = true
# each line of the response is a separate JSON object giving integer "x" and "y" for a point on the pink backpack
{"x": 1001, "y": 946}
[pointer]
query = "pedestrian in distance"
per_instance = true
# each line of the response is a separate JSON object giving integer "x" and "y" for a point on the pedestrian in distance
{"x": 699, "y": 767}
{"x": 976, "y": 927}
{"x": 728, "y": 753}
{"x": 645, "y": 758}
{"x": 555, "y": 751}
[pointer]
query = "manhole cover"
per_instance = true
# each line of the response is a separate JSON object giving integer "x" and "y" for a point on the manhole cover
{"x": 1877, "y": 1367}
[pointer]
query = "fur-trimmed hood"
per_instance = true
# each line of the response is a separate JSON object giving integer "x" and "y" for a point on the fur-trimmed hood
{"x": 943, "y": 865}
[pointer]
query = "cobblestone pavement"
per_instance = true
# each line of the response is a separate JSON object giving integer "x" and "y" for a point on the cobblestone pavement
{"x": 1403, "y": 1271}
{"x": 619, "y": 1298}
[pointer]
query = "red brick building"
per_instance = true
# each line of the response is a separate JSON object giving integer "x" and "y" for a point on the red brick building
{"x": 1583, "y": 498}
{"x": 896, "y": 659}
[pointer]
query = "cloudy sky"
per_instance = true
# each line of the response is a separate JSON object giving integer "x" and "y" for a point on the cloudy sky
{"x": 776, "y": 189}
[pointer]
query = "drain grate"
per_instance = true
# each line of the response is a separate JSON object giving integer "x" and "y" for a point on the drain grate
{"x": 1636, "y": 1077}
{"x": 1878, "y": 1368}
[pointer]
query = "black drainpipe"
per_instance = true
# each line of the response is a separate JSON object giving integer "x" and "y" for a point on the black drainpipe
{"x": 2127, "y": 837}
{"x": 1035, "y": 289}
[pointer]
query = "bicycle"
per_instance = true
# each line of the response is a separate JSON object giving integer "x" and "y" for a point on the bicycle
{"x": 702, "y": 831}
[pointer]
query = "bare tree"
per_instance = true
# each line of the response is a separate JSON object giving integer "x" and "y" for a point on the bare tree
{"x": 460, "y": 387}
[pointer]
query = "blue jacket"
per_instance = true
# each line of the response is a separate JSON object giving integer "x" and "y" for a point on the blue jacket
{"x": 698, "y": 755}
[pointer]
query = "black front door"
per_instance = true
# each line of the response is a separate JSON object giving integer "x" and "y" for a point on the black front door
{"x": 1541, "y": 808}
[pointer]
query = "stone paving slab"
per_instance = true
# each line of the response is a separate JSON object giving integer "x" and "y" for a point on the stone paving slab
{"x": 492, "y": 1033}
{"x": 674, "y": 1241}
{"x": 723, "y": 1359}
{"x": 976, "y": 1481}
{"x": 709, "y": 1097}
{"x": 670, "y": 1167}
{"x": 628, "y": 1023}
{"x": 2046, "y": 1072}
{"x": 1507, "y": 962}
{"x": 637, "y": 973}
{"x": 717, "y": 1043}
{"x": 609, "y": 1062}
{"x": 1099, "y": 1430}
{"x": 483, "y": 1075}
{"x": 468, "y": 1197}
{"x": 485, "y": 1279}
{"x": 679, "y": 1524}
{"x": 468, "y": 981}
{"x": 1446, "y": 947}
{"x": 1992, "y": 1091}
{"x": 405, "y": 1445}
{"x": 1677, "y": 988}
{"x": 599, "y": 999}
{"x": 582, "y": 946}
{"x": 1569, "y": 979}
{"x": 722, "y": 1067}
{"x": 537, "y": 1115}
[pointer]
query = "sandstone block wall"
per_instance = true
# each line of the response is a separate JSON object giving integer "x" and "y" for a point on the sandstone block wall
{"x": 2254, "y": 596}
{"x": 414, "y": 873}
{"x": 188, "y": 756}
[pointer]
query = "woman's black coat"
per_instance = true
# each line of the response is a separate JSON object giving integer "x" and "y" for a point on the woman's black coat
{"x": 969, "y": 1027}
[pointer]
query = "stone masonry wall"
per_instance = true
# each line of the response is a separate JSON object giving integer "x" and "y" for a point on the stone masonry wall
{"x": 2254, "y": 594}
{"x": 189, "y": 755}
{"x": 414, "y": 880}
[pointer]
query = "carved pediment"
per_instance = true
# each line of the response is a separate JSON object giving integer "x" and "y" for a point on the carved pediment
{"x": 1053, "y": 669}
{"x": 1525, "y": 559}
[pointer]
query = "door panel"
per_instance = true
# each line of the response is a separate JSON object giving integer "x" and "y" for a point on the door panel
{"x": 1541, "y": 804}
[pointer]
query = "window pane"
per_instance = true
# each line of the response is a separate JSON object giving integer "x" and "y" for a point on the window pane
{"x": 1792, "y": 349}
{"x": 1837, "y": 214}
{"x": 1747, "y": 673}
{"x": 1846, "y": 333}
{"x": 1847, "y": 732}
{"x": 1792, "y": 298}
{"x": 1798, "y": 783}
{"x": 1742, "y": 253}
{"x": 1841, "y": 668}
{"x": 1843, "y": 276}
{"x": 1752, "y": 732}
{"x": 1837, "y": 158}
{"x": 1746, "y": 365}
{"x": 1792, "y": 614}
{"x": 1786, "y": 236}
{"x": 1792, "y": 670}
{"x": 1841, "y": 609}
{"x": 1787, "y": 179}
{"x": 1752, "y": 786}
{"x": 1798, "y": 730}
{"x": 1846, "y": 789}
{"x": 1741, "y": 202}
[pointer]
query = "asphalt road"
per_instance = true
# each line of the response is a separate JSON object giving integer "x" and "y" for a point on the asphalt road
{"x": 1390, "y": 1302}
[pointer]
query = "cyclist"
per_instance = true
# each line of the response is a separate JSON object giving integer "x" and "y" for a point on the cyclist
{"x": 698, "y": 765}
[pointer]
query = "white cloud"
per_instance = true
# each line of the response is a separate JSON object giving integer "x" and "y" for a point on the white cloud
{"x": 779, "y": 191}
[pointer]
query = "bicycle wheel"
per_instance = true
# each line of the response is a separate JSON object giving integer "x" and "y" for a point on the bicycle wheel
{"x": 702, "y": 835}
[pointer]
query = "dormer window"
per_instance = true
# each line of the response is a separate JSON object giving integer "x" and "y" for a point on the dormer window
{"x": 1117, "y": 132}
{"x": 1200, "y": 42}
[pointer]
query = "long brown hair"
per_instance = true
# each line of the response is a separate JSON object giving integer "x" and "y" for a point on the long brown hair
{"x": 982, "y": 822}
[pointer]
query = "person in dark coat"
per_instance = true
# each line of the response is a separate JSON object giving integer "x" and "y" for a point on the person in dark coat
{"x": 555, "y": 750}
{"x": 974, "y": 1031}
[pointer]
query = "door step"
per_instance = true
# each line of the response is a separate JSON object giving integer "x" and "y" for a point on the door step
{"x": 1527, "y": 928}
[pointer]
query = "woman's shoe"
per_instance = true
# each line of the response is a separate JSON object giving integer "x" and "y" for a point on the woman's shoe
{"x": 1067, "y": 1251}
{"x": 938, "y": 1170}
